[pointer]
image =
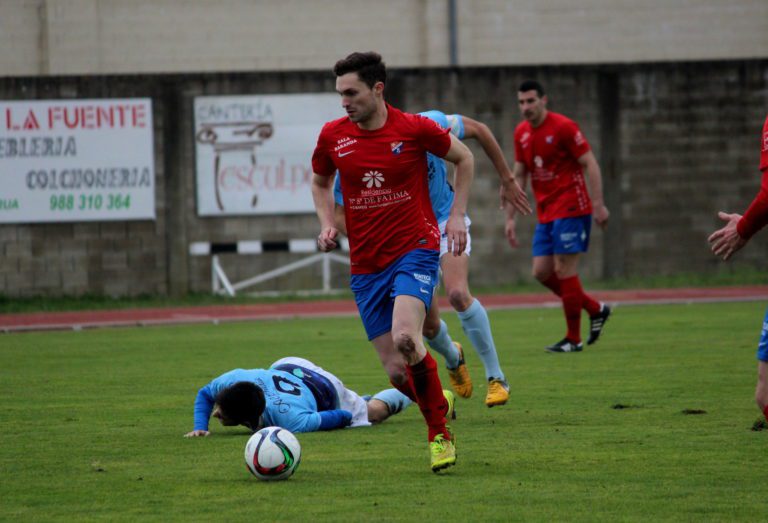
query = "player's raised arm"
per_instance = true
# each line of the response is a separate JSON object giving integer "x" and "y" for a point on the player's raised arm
{"x": 510, "y": 190}
{"x": 455, "y": 229}
{"x": 322, "y": 194}
{"x": 591, "y": 168}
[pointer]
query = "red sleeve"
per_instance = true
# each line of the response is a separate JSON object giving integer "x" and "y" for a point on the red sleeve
{"x": 756, "y": 216}
{"x": 322, "y": 163}
{"x": 574, "y": 140}
{"x": 434, "y": 138}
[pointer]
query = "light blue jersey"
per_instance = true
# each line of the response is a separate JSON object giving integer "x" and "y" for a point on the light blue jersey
{"x": 440, "y": 190}
{"x": 290, "y": 403}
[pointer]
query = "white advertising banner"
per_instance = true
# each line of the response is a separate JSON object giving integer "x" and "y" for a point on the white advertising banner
{"x": 254, "y": 153}
{"x": 76, "y": 160}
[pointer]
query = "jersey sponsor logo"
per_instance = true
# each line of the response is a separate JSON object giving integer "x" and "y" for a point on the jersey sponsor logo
{"x": 426, "y": 279}
{"x": 342, "y": 154}
{"x": 397, "y": 147}
{"x": 341, "y": 143}
{"x": 765, "y": 141}
{"x": 373, "y": 178}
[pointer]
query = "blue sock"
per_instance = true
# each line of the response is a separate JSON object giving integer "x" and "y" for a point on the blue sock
{"x": 474, "y": 322}
{"x": 395, "y": 400}
{"x": 443, "y": 344}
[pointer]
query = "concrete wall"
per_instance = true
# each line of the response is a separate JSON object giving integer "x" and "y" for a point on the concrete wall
{"x": 77, "y": 37}
{"x": 677, "y": 142}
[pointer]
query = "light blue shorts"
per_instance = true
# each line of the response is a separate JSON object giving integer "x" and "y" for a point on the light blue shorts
{"x": 413, "y": 274}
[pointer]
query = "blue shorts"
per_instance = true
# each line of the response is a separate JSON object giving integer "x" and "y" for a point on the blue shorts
{"x": 413, "y": 274}
{"x": 762, "y": 348}
{"x": 563, "y": 236}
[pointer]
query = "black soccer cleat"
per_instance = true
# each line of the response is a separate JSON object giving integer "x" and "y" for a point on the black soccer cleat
{"x": 565, "y": 345}
{"x": 597, "y": 322}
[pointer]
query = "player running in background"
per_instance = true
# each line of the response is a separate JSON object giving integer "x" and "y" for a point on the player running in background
{"x": 727, "y": 241}
{"x": 455, "y": 269}
{"x": 394, "y": 241}
{"x": 295, "y": 394}
{"x": 551, "y": 149}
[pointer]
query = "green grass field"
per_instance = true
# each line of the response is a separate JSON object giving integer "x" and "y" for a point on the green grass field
{"x": 92, "y": 424}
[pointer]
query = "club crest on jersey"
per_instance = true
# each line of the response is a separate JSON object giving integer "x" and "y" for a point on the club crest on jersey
{"x": 373, "y": 178}
{"x": 550, "y": 139}
{"x": 397, "y": 147}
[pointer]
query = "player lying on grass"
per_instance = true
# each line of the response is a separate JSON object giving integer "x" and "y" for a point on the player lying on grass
{"x": 295, "y": 394}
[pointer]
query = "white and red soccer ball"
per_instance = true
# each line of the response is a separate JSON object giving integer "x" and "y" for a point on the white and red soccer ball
{"x": 272, "y": 453}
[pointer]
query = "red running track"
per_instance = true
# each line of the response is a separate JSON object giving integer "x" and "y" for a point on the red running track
{"x": 76, "y": 320}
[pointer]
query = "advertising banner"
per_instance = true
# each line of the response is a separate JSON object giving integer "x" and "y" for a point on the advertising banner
{"x": 254, "y": 153}
{"x": 76, "y": 160}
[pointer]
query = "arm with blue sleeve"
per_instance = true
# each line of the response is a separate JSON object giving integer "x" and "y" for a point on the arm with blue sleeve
{"x": 203, "y": 407}
{"x": 338, "y": 208}
{"x": 334, "y": 419}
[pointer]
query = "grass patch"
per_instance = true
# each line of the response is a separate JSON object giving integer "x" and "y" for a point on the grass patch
{"x": 93, "y": 421}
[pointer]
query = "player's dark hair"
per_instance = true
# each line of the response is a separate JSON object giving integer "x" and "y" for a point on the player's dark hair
{"x": 531, "y": 85}
{"x": 243, "y": 403}
{"x": 368, "y": 66}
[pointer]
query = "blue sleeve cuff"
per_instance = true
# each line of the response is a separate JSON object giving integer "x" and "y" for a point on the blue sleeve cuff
{"x": 334, "y": 419}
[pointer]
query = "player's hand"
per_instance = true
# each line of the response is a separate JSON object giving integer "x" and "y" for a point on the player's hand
{"x": 196, "y": 434}
{"x": 456, "y": 232}
{"x": 727, "y": 241}
{"x": 326, "y": 240}
{"x": 510, "y": 233}
{"x": 511, "y": 192}
{"x": 600, "y": 214}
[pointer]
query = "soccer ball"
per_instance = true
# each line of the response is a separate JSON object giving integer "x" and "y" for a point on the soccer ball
{"x": 272, "y": 453}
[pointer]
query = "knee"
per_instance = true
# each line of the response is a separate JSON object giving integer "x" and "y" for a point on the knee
{"x": 431, "y": 327}
{"x": 541, "y": 274}
{"x": 460, "y": 299}
{"x": 377, "y": 411}
{"x": 406, "y": 345}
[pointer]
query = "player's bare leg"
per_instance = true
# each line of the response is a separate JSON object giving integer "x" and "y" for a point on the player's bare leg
{"x": 475, "y": 323}
{"x": 436, "y": 335}
{"x": 761, "y": 393}
{"x": 407, "y": 324}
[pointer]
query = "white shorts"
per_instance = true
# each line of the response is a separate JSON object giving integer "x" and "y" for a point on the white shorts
{"x": 348, "y": 399}
{"x": 444, "y": 238}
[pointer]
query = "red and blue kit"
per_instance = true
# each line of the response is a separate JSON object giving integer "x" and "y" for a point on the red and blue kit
{"x": 756, "y": 216}
{"x": 383, "y": 177}
{"x": 550, "y": 153}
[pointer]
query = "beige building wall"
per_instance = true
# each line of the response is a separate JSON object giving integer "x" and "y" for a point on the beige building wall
{"x": 77, "y": 37}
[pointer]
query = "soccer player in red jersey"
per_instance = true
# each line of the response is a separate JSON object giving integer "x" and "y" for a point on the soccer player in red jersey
{"x": 551, "y": 149}
{"x": 727, "y": 241}
{"x": 380, "y": 154}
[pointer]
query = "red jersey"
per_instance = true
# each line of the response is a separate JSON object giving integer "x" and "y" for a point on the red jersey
{"x": 756, "y": 216}
{"x": 383, "y": 177}
{"x": 550, "y": 153}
